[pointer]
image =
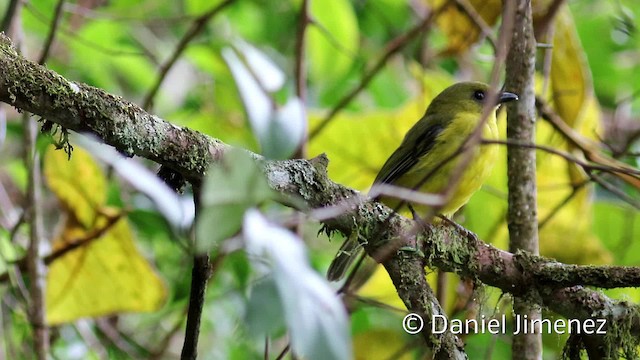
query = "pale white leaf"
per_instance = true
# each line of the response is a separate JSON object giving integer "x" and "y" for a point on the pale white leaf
{"x": 267, "y": 73}
{"x": 256, "y": 102}
{"x": 317, "y": 321}
{"x": 179, "y": 212}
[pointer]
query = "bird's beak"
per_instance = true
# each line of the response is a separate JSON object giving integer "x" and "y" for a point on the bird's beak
{"x": 507, "y": 96}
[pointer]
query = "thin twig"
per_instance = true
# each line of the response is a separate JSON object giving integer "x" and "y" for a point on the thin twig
{"x": 57, "y": 14}
{"x": 73, "y": 35}
{"x": 141, "y": 17}
{"x": 35, "y": 266}
{"x": 542, "y": 23}
{"x": 72, "y": 244}
{"x": 615, "y": 190}
{"x": 284, "y": 352}
{"x": 548, "y": 60}
{"x": 300, "y": 73}
{"x": 200, "y": 275}
{"x": 392, "y": 48}
{"x": 202, "y": 272}
{"x": 10, "y": 15}
{"x": 575, "y": 139}
{"x": 585, "y": 165}
{"x": 111, "y": 334}
{"x": 159, "y": 352}
{"x": 561, "y": 204}
{"x": 473, "y": 15}
{"x": 196, "y": 27}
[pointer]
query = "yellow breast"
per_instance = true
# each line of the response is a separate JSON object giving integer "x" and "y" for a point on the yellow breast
{"x": 478, "y": 167}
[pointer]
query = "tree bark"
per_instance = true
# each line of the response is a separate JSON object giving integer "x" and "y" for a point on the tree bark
{"x": 522, "y": 215}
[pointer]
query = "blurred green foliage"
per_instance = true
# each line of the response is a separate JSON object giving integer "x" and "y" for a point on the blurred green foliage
{"x": 118, "y": 46}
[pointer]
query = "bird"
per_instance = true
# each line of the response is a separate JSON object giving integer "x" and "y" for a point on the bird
{"x": 430, "y": 153}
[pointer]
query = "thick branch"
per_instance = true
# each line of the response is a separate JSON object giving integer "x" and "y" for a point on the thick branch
{"x": 119, "y": 123}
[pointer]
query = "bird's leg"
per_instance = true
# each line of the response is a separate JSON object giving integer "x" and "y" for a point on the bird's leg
{"x": 415, "y": 215}
{"x": 457, "y": 226}
{"x": 417, "y": 218}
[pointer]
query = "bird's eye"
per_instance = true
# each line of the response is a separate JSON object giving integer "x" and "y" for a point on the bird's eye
{"x": 478, "y": 95}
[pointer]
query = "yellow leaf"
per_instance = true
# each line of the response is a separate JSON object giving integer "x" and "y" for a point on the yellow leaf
{"x": 78, "y": 183}
{"x": 95, "y": 268}
{"x": 570, "y": 77}
{"x": 379, "y": 345}
{"x": 104, "y": 275}
{"x": 461, "y": 31}
{"x": 380, "y": 288}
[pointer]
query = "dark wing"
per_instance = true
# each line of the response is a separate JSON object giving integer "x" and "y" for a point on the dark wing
{"x": 414, "y": 146}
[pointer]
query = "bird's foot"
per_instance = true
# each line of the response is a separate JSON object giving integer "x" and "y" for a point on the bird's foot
{"x": 455, "y": 225}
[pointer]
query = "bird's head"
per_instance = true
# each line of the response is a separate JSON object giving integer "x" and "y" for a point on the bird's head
{"x": 466, "y": 97}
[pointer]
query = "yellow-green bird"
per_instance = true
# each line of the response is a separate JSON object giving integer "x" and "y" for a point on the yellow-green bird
{"x": 425, "y": 160}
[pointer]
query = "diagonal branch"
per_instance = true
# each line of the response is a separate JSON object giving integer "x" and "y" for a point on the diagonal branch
{"x": 196, "y": 27}
{"x": 392, "y": 48}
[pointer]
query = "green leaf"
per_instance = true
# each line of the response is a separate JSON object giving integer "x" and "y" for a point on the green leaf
{"x": 230, "y": 187}
{"x": 8, "y": 252}
{"x": 265, "y": 313}
{"x": 618, "y": 226}
{"x": 332, "y": 41}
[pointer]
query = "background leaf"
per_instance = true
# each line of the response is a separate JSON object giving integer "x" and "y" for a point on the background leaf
{"x": 315, "y": 316}
{"x": 101, "y": 271}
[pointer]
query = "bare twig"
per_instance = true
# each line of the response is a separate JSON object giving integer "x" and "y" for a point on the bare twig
{"x": 284, "y": 352}
{"x": 200, "y": 275}
{"x": 141, "y": 17}
{"x": 196, "y": 27}
{"x": 108, "y": 330}
{"x": 35, "y": 266}
{"x": 392, "y": 48}
{"x": 587, "y": 147}
{"x": 203, "y": 269}
{"x": 587, "y": 166}
{"x": 57, "y": 14}
{"x": 574, "y": 191}
{"x": 543, "y": 23}
{"x": 548, "y": 60}
{"x": 72, "y": 244}
{"x": 615, "y": 191}
{"x": 10, "y": 16}
{"x": 300, "y": 71}
{"x": 71, "y": 34}
{"x": 159, "y": 352}
{"x": 473, "y": 15}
